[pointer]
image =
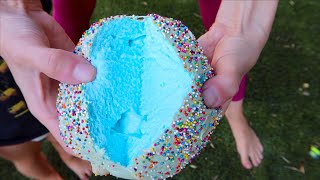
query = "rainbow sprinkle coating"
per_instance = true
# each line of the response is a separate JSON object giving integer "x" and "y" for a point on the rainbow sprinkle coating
{"x": 191, "y": 128}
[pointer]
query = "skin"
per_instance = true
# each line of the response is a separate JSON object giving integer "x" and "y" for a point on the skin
{"x": 32, "y": 163}
{"x": 38, "y": 53}
{"x": 248, "y": 144}
{"x": 24, "y": 156}
{"x": 233, "y": 45}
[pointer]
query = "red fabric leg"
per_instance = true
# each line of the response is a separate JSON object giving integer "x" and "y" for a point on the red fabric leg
{"x": 74, "y": 16}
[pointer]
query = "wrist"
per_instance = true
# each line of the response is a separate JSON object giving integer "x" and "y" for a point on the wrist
{"x": 249, "y": 18}
{"x": 14, "y": 11}
{"x": 20, "y": 6}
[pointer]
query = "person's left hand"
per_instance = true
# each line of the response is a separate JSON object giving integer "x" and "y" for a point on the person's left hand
{"x": 232, "y": 54}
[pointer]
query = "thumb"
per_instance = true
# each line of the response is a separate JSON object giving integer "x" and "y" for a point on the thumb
{"x": 219, "y": 89}
{"x": 62, "y": 65}
{"x": 222, "y": 87}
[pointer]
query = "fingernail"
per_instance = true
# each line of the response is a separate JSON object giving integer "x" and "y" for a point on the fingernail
{"x": 211, "y": 98}
{"x": 84, "y": 72}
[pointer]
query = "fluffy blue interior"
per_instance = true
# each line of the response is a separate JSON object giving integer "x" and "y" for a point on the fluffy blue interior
{"x": 140, "y": 85}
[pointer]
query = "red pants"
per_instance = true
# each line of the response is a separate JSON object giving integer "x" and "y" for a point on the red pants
{"x": 74, "y": 16}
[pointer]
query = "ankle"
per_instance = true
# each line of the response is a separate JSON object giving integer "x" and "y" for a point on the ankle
{"x": 66, "y": 157}
{"x": 48, "y": 174}
{"x": 238, "y": 123}
{"x": 234, "y": 110}
{"x": 55, "y": 176}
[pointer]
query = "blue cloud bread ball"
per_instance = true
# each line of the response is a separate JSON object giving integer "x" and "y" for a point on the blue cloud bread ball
{"x": 143, "y": 117}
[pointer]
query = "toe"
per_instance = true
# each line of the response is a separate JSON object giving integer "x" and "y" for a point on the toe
{"x": 88, "y": 172}
{"x": 246, "y": 162}
{"x": 258, "y": 160}
{"x": 259, "y": 154}
{"x": 255, "y": 159}
{"x": 260, "y": 147}
{"x": 84, "y": 177}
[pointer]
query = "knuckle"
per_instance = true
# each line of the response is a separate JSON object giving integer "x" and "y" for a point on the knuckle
{"x": 232, "y": 86}
{"x": 52, "y": 63}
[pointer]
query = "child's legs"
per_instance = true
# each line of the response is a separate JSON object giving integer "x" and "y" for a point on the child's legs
{"x": 74, "y": 16}
{"x": 209, "y": 10}
{"x": 29, "y": 160}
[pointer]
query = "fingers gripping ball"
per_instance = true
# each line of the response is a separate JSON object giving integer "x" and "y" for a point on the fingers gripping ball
{"x": 144, "y": 115}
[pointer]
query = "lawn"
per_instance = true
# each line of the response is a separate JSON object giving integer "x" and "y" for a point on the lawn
{"x": 282, "y": 109}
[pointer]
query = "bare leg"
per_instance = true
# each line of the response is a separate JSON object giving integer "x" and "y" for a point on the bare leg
{"x": 29, "y": 160}
{"x": 248, "y": 144}
{"x": 81, "y": 167}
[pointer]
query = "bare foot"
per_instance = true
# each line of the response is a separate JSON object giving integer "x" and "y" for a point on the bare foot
{"x": 248, "y": 144}
{"x": 29, "y": 160}
{"x": 249, "y": 147}
{"x": 81, "y": 167}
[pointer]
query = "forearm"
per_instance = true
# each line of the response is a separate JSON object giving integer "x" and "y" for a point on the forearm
{"x": 13, "y": 11}
{"x": 248, "y": 16}
{"x": 21, "y": 6}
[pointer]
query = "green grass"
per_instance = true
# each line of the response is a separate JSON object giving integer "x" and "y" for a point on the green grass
{"x": 287, "y": 121}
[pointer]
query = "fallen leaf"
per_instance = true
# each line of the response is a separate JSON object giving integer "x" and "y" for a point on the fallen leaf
{"x": 306, "y": 93}
{"x": 215, "y": 178}
{"x": 294, "y": 169}
{"x": 285, "y": 159}
{"x": 197, "y": 15}
{"x": 305, "y": 85}
{"x": 193, "y": 166}
{"x": 211, "y": 145}
{"x": 302, "y": 168}
{"x": 286, "y": 46}
{"x": 144, "y": 3}
{"x": 291, "y": 3}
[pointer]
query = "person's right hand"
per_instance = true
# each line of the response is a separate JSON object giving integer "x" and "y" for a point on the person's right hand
{"x": 38, "y": 53}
